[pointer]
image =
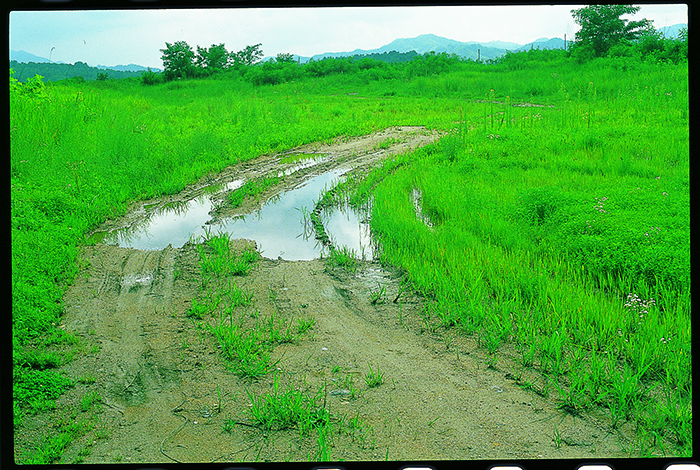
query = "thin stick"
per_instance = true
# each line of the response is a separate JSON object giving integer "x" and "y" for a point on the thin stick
{"x": 175, "y": 410}
{"x": 166, "y": 438}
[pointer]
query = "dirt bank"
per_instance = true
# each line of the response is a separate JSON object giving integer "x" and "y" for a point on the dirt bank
{"x": 167, "y": 395}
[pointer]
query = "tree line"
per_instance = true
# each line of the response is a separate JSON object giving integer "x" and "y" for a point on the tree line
{"x": 79, "y": 71}
{"x": 603, "y": 33}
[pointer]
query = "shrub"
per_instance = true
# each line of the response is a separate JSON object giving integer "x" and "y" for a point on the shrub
{"x": 149, "y": 77}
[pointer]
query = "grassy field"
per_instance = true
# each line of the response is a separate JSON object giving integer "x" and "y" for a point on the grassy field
{"x": 565, "y": 231}
{"x": 558, "y": 208}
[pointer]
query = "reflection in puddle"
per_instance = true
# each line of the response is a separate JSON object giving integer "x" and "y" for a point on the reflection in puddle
{"x": 171, "y": 225}
{"x": 346, "y": 228}
{"x": 303, "y": 164}
{"x": 278, "y": 228}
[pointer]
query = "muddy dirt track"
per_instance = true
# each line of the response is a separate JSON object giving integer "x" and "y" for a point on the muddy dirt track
{"x": 167, "y": 393}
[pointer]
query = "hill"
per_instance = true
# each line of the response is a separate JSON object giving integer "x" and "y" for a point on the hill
{"x": 469, "y": 50}
{"x": 52, "y": 71}
{"x": 127, "y": 68}
{"x": 23, "y": 56}
{"x": 433, "y": 43}
{"x": 543, "y": 43}
{"x": 28, "y": 58}
{"x": 673, "y": 30}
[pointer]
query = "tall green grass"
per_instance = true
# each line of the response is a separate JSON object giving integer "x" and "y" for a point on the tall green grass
{"x": 545, "y": 218}
{"x": 565, "y": 230}
{"x": 81, "y": 152}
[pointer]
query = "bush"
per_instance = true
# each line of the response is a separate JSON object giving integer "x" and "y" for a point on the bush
{"x": 273, "y": 73}
{"x": 149, "y": 77}
{"x": 328, "y": 66}
{"x": 32, "y": 88}
{"x": 432, "y": 64}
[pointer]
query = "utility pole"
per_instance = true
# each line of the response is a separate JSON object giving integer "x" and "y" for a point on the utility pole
{"x": 564, "y": 41}
{"x": 478, "y": 51}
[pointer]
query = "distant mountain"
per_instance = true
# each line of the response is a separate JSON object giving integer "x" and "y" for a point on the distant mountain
{"x": 544, "y": 44}
{"x": 429, "y": 43}
{"x": 472, "y": 49}
{"x": 26, "y": 57}
{"x": 673, "y": 30}
{"x": 52, "y": 71}
{"x": 126, "y": 68}
{"x": 467, "y": 50}
{"x": 509, "y": 46}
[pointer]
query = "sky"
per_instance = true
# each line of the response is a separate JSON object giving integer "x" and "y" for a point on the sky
{"x": 121, "y": 37}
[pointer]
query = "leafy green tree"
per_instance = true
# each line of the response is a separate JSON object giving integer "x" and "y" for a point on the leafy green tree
{"x": 177, "y": 60}
{"x": 432, "y": 63}
{"x": 328, "y": 66}
{"x": 285, "y": 58}
{"x": 214, "y": 58}
{"x": 248, "y": 56}
{"x": 602, "y": 28}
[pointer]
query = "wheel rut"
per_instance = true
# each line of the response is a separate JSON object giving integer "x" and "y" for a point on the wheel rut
{"x": 168, "y": 394}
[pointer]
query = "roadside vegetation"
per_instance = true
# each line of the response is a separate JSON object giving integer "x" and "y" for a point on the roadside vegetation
{"x": 554, "y": 214}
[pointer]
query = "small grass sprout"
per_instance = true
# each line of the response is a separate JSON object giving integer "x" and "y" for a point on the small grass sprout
{"x": 91, "y": 399}
{"x": 373, "y": 378}
{"x": 377, "y": 297}
{"x": 305, "y": 324}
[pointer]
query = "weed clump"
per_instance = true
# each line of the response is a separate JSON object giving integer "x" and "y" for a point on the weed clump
{"x": 289, "y": 408}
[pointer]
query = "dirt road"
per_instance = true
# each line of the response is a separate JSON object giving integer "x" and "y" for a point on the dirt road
{"x": 167, "y": 394}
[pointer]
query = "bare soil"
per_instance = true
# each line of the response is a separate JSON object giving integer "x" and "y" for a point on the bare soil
{"x": 166, "y": 393}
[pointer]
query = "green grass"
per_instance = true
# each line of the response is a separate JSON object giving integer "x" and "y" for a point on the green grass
{"x": 545, "y": 218}
{"x": 36, "y": 390}
{"x": 91, "y": 400}
{"x": 252, "y": 188}
{"x": 284, "y": 409}
{"x": 299, "y": 157}
{"x": 343, "y": 257}
{"x": 566, "y": 231}
{"x": 373, "y": 378}
{"x": 228, "y": 312}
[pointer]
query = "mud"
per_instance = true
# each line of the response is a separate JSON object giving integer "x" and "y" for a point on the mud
{"x": 208, "y": 196}
{"x": 167, "y": 394}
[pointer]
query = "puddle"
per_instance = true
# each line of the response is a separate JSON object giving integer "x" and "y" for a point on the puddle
{"x": 133, "y": 280}
{"x": 417, "y": 198}
{"x": 171, "y": 226}
{"x": 278, "y": 227}
{"x": 345, "y": 227}
{"x": 301, "y": 162}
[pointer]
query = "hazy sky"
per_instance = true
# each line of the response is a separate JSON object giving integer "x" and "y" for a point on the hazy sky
{"x": 135, "y": 36}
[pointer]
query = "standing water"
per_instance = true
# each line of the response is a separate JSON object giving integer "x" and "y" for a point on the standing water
{"x": 278, "y": 228}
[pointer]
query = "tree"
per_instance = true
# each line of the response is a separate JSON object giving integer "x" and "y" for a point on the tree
{"x": 248, "y": 56}
{"x": 177, "y": 60}
{"x": 602, "y": 27}
{"x": 214, "y": 58}
{"x": 285, "y": 58}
